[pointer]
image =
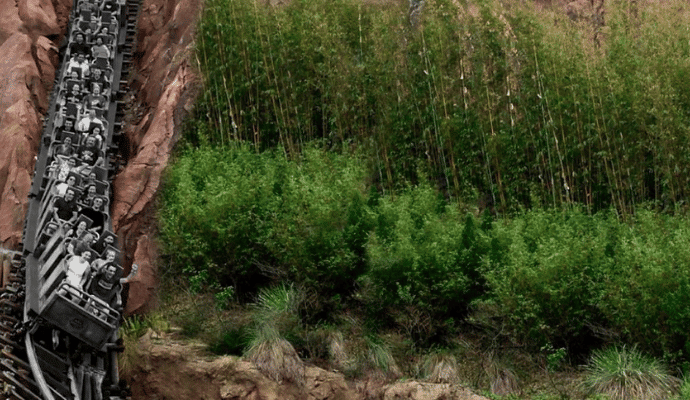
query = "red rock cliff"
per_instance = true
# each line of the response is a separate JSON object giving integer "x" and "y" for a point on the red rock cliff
{"x": 27, "y": 69}
{"x": 163, "y": 85}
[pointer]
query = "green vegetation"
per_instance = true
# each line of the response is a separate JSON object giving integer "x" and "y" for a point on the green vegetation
{"x": 275, "y": 317}
{"x": 493, "y": 103}
{"x": 416, "y": 263}
{"x": 131, "y": 331}
{"x": 684, "y": 391}
{"x": 491, "y": 175}
{"x": 626, "y": 374}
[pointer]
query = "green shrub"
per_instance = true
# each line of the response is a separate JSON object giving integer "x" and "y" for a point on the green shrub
{"x": 548, "y": 281}
{"x": 320, "y": 227}
{"x": 423, "y": 255}
{"x": 233, "y": 220}
{"x": 624, "y": 373}
{"x": 573, "y": 280}
{"x": 213, "y": 215}
{"x": 648, "y": 288}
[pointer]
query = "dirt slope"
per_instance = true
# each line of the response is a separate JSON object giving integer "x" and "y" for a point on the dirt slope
{"x": 167, "y": 369}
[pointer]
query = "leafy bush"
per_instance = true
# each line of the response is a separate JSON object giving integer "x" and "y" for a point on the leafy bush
{"x": 320, "y": 226}
{"x": 213, "y": 217}
{"x": 233, "y": 221}
{"x": 574, "y": 280}
{"x": 548, "y": 281}
{"x": 648, "y": 288}
{"x": 423, "y": 255}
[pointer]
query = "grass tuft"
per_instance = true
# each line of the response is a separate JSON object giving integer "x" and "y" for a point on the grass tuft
{"x": 275, "y": 357}
{"x": 684, "y": 393}
{"x": 275, "y": 314}
{"x": 503, "y": 379}
{"x": 623, "y": 373}
{"x": 380, "y": 356}
{"x": 440, "y": 368}
{"x": 131, "y": 330}
{"x": 337, "y": 353}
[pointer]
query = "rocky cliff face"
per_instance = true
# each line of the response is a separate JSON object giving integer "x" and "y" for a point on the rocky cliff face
{"x": 163, "y": 85}
{"x": 27, "y": 71}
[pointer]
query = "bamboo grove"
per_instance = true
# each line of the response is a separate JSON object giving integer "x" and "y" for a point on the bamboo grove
{"x": 495, "y": 104}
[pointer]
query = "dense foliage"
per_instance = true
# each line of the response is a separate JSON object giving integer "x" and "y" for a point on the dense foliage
{"x": 486, "y": 167}
{"x": 240, "y": 219}
{"x": 497, "y": 104}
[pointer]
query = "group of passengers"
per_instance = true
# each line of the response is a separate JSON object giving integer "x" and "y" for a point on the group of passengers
{"x": 86, "y": 79}
{"x": 101, "y": 277}
{"x": 77, "y": 192}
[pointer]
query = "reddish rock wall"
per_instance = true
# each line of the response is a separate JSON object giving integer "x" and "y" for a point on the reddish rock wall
{"x": 27, "y": 70}
{"x": 164, "y": 86}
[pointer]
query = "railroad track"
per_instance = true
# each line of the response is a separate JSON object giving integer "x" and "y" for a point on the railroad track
{"x": 59, "y": 336}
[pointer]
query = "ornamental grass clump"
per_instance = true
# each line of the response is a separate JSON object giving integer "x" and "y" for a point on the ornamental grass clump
{"x": 440, "y": 367}
{"x": 275, "y": 315}
{"x": 276, "y": 358}
{"x": 503, "y": 380}
{"x": 623, "y": 373}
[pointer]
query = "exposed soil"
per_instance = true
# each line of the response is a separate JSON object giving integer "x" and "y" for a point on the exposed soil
{"x": 169, "y": 369}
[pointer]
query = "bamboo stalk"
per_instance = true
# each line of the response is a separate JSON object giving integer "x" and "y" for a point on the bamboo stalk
{"x": 566, "y": 172}
{"x": 546, "y": 123}
{"x": 601, "y": 141}
{"x": 431, "y": 84}
{"x": 487, "y": 163}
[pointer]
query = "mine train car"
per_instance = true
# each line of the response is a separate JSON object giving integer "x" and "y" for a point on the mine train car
{"x": 71, "y": 264}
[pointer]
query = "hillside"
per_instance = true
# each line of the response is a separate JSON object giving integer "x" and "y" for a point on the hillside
{"x": 485, "y": 194}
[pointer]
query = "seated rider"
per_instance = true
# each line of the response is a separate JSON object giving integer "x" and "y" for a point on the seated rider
{"x": 95, "y": 212}
{"x": 61, "y": 188}
{"x": 106, "y": 239}
{"x": 90, "y": 154}
{"x": 65, "y": 208}
{"x": 65, "y": 148}
{"x": 105, "y": 284}
{"x": 78, "y": 269}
